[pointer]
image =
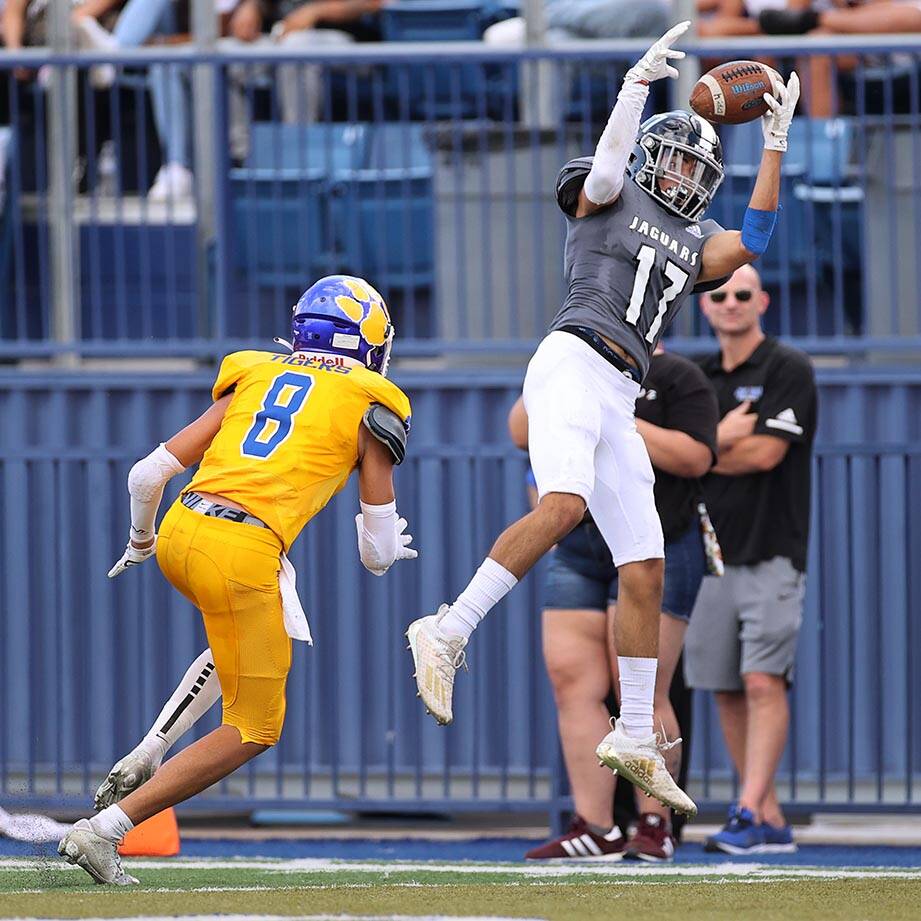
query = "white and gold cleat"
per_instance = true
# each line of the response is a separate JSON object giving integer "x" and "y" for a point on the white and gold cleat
{"x": 437, "y": 657}
{"x": 641, "y": 762}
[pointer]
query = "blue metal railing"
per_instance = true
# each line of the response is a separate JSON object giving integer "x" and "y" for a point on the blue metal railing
{"x": 86, "y": 662}
{"x": 429, "y": 169}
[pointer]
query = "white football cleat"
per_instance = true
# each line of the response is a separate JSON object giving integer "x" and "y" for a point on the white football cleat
{"x": 640, "y": 761}
{"x": 437, "y": 657}
{"x": 127, "y": 774}
{"x": 96, "y": 855}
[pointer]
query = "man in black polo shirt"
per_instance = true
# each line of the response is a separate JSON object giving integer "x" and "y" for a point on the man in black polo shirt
{"x": 741, "y": 642}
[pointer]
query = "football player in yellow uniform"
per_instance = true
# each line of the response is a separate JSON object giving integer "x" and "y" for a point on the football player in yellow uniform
{"x": 280, "y": 440}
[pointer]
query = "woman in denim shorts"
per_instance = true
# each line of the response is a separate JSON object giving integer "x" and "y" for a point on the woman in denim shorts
{"x": 677, "y": 416}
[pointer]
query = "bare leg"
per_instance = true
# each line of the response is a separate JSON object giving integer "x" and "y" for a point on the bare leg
{"x": 874, "y": 17}
{"x": 718, "y": 26}
{"x": 766, "y": 737}
{"x": 639, "y": 599}
{"x": 733, "y": 712}
{"x": 523, "y": 543}
{"x": 820, "y": 90}
{"x": 576, "y": 656}
{"x": 194, "y": 769}
{"x": 770, "y": 809}
{"x": 821, "y": 79}
{"x": 733, "y": 715}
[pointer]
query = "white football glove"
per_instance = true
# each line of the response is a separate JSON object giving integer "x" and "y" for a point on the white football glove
{"x": 377, "y": 558}
{"x": 776, "y": 122}
{"x": 654, "y": 64}
{"x": 132, "y": 557}
{"x": 404, "y": 551}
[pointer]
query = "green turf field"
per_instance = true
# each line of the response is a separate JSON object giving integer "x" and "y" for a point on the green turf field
{"x": 46, "y": 888}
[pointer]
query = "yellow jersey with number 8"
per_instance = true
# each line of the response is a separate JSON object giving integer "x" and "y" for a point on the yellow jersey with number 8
{"x": 289, "y": 439}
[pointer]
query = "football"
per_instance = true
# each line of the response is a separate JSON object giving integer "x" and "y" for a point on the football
{"x": 732, "y": 93}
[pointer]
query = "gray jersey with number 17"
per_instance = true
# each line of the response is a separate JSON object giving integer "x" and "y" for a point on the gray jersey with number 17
{"x": 629, "y": 267}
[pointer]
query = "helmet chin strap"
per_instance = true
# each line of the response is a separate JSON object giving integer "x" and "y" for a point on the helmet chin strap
{"x": 284, "y": 342}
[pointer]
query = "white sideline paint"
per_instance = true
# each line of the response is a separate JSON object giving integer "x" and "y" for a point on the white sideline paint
{"x": 719, "y": 871}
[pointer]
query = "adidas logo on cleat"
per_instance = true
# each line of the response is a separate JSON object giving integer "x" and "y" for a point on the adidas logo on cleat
{"x": 642, "y": 768}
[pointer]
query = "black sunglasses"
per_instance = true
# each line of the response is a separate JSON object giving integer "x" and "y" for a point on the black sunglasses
{"x": 742, "y": 295}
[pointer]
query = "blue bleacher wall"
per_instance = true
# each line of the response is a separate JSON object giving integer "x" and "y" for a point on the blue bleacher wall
{"x": 86, "y": 662}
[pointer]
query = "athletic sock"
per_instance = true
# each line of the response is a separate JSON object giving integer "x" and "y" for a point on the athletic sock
{"x": 489, "y": 585}
{"x": 111, "y": 824}
{"x": 637, "y": 692}
{"x": 193, "y": 697}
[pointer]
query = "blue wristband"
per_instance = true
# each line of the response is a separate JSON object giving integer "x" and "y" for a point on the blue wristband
{"x": 757, "y": 227}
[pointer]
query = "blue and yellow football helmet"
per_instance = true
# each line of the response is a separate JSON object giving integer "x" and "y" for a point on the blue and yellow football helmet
{"x": 344, "y": 315}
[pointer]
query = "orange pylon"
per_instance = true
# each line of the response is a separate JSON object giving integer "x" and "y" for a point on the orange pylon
{"x": 158, "y": 836}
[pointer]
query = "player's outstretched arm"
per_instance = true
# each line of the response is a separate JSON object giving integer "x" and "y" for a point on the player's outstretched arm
{"x": 725, "y": 252}
{"x": 381, "y": 537}
{"x": 606, "y": 177}
{"x": 149, "y": 476}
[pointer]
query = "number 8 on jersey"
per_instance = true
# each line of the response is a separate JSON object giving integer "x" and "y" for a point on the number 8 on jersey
{"x": 273, "y": 422}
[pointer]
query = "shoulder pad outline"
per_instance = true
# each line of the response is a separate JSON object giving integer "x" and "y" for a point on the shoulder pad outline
{"x": 388, "y": 428}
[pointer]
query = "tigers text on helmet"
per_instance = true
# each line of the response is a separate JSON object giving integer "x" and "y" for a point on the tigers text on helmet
{"x": 678, "y": 160}
{"x": 344, "y": 315}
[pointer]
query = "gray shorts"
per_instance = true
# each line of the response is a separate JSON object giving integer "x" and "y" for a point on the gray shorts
{"x": 745, "y": 621}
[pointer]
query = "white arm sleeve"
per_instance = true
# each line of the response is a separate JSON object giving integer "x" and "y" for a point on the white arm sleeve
{"x": 606, "y": 177}
{"x": 145, "y": 486}
{"x": 377, "y": 536}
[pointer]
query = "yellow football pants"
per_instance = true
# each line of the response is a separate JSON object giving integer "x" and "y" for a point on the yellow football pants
{"x": 229, "y": 571}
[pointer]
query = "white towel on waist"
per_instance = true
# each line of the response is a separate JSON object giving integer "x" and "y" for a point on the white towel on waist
{"x": 296, "y": 625}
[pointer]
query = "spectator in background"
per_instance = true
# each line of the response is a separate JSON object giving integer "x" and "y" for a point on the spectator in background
{"x": 579, "y": 19}
{"x": 870, "y": 17}
{"x": 25, "y": 24}
{"x": 735, "y": 17}
{"x": 140, "y": 22}
{"x": 741, "y": 643}
{"x": 873, "y": 16}
{"x": 293, "y": 26}
{"x": 677, "y": 417}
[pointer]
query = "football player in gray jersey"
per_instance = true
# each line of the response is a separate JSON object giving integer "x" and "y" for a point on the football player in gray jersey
{"x": 635, "y": 249}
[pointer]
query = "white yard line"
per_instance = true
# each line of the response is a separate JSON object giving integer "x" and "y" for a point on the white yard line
{"x": 622, "y": 871}
{"x": 563, "y": 868}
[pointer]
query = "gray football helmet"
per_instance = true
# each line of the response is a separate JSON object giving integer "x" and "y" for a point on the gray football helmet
{"x": 678, "y": 160}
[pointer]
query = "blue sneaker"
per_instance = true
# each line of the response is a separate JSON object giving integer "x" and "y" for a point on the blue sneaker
{"x": 778, "y": 839}
{"x": 740, "y": 835}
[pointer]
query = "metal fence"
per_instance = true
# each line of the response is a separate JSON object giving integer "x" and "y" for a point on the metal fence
{"x": 85, "y": 663}
{"x": 427, "y": 168}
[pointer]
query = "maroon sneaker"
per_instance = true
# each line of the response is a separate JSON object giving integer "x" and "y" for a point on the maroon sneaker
{"x": 651, "y": 840}
{"x": 580, "y": 843}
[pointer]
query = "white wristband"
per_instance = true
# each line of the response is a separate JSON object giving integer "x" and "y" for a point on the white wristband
{"x": 377, "y": 536}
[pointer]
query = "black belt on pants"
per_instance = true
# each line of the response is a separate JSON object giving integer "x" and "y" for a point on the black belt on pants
{"x": 594, "y": 341}
{"x": 197, "y": 503}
